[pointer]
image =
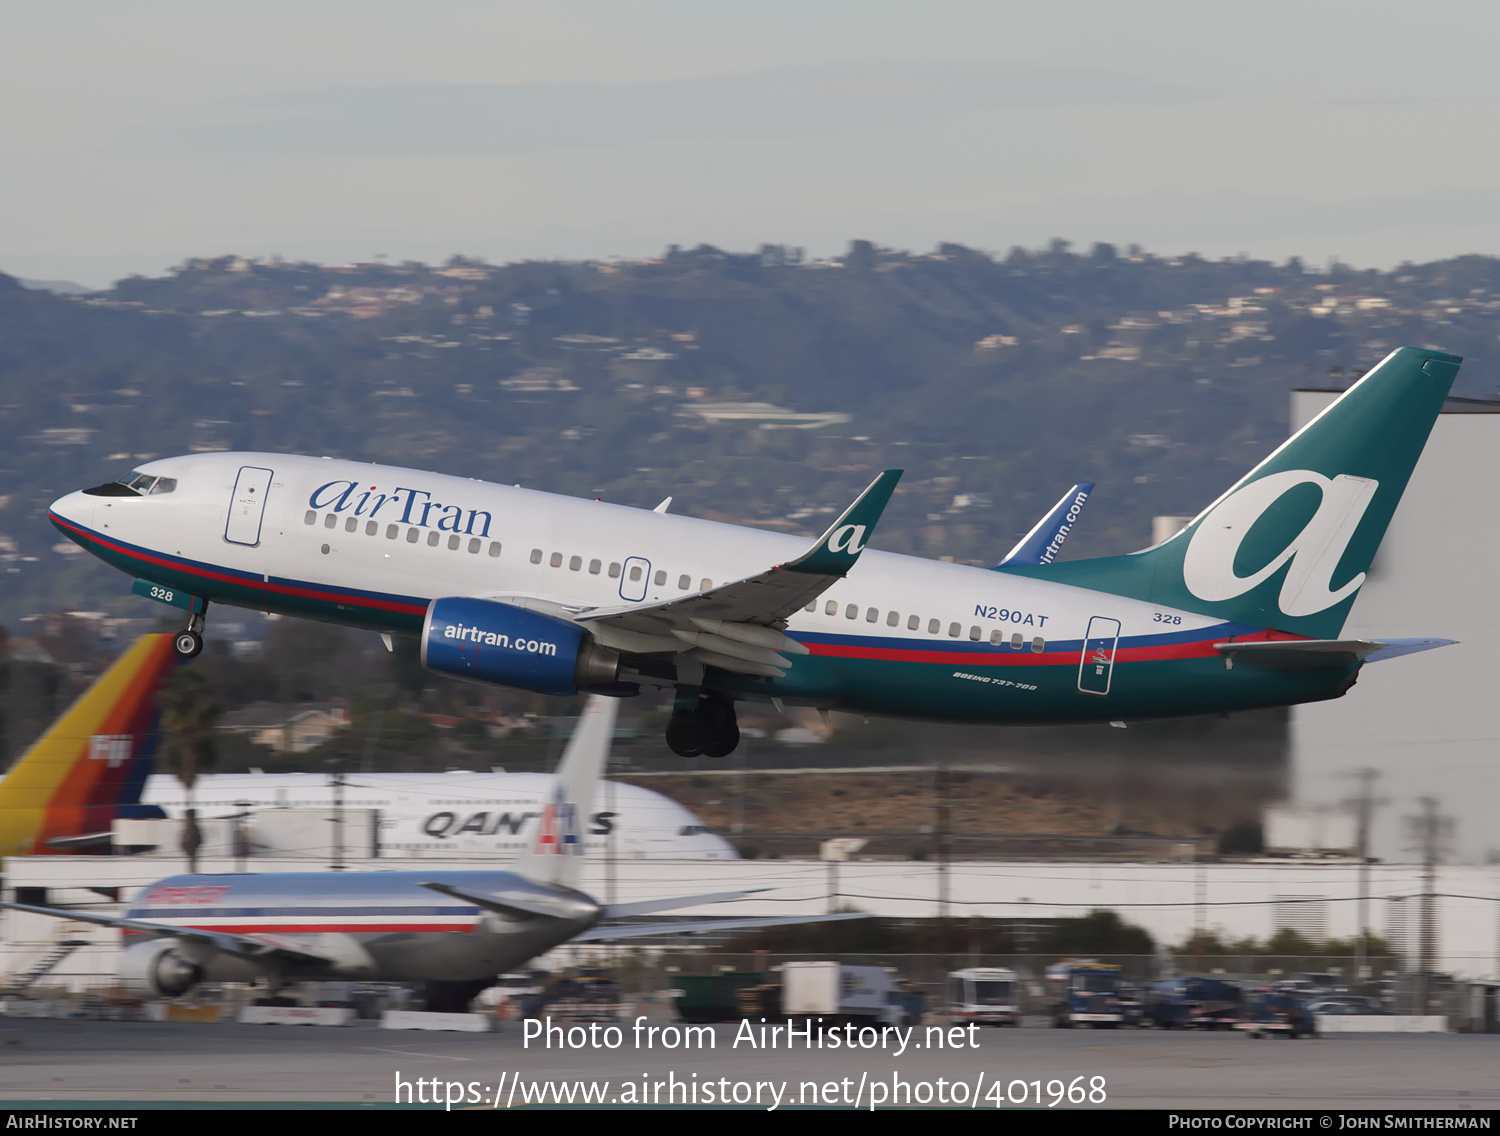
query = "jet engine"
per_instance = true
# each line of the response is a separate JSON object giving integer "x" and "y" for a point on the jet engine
{"x": 501, "y": 643}
{"x": 157, "y": 969}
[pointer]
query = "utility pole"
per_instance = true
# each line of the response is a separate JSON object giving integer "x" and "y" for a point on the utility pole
{"x": 1364, "y": 804}
{"x": 338, "y": 819}
{"x": 1430, "y": 833}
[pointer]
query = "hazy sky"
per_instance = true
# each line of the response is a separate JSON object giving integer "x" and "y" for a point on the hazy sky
{"x": 142, "y": 132}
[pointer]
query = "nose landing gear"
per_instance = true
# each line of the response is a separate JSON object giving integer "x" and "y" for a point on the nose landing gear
{"x": 188, "y": 643}
{"x": 705, "y": 726}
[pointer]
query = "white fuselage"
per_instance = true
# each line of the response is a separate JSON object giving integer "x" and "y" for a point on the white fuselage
{"x": 458, "y": 814}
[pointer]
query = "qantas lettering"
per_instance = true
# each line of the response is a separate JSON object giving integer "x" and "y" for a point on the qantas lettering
{"x": 1006, "y": 615}
{"x": 445, "y": 824}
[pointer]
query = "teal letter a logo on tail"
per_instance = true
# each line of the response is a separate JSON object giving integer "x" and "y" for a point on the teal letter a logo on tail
{"x": 1289, "y": 545}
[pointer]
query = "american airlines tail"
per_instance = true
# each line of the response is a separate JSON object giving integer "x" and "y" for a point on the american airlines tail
{"x": 88, "y": 768}
{"x": 556, "y": 856}
{"x": 1288, "y": 546}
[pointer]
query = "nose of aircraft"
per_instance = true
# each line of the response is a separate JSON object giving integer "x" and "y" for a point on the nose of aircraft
{"x": 76, "y": 508}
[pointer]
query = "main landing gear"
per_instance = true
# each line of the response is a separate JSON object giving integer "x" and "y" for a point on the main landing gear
{"x": 702, "y": 723}
{"x": 188, "y": 643}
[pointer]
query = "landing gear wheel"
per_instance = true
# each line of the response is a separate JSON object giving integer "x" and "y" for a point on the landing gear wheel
{"x": 685, "y": 734}
{"x": 187, "y": 644}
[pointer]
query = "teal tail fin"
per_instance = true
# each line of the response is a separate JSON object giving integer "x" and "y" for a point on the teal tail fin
{"x": 1288, "y": 546}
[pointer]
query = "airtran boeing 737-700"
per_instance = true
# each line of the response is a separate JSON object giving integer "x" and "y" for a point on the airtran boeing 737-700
{"x": 1242, "y": 608}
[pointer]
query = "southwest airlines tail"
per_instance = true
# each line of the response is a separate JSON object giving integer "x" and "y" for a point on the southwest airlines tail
{"x": 556, "y": 855}
{"x": 1288, "y": 546}
{"x": 90, "y": 765}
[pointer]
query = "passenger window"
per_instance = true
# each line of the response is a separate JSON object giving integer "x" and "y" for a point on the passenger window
{"x": 893, "y": 619}
{"x": 913, "y": 622}
{"x": 391, "y": 531}
{"x": 661, "y": 577}
{"x": 831, "y": 607}
{"x": 351, "y": 524}
{"x": 372, "y": 527}
{"x": 412, "y": 535}
{"x": 704, "y": 585}
{"x": 684, "y": 583}
{"x": 433, "y": 538}
{"x": 1038, "y": 645}
{"x": 311, "y": 518}
{"x": 614, "y": 571}
{"x": 329, "y": 521}
{"x": 933, "y": 627}
{"x": 555, "y": 560}
{"x": 453, "y": 541}
{"x": 974, "y": 634}
{"x": 1016, "y": 642}
{"x": 475, "y": 542}
{"x": 575, "y": 564}
{"x": 594, "y": 566}
{"x": 494, "y": 548}
{"x": 872, "y": 615}
{"x": 635, "y": 574}
{"x": 812, "y": 606}
{"x": 536, "y": 555}
{"x": 852, "y": 611}
{"x": 953, "y": 630}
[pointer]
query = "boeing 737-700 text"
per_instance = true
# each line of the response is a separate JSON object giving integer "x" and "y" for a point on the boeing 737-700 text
{"x": 1240, "y": 609}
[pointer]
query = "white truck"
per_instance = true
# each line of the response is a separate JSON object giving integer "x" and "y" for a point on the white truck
{"x": 840, "y": 995}
{"x": 989, "y": 995}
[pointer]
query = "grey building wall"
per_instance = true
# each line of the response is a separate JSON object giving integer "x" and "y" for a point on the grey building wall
{"x": 1430, "y": 723}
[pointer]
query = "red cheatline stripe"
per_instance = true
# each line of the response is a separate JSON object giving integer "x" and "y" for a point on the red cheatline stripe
{"x": 247, "y": 582}
{"x": 289, "y": 928}
{"x": 1199, "y": 649}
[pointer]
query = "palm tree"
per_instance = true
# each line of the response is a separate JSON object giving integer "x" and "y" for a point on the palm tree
{"x": 190, "y": 708}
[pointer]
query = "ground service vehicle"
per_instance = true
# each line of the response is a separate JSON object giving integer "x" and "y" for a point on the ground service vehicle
{"x": 1268, "y": 1012}
{"x": 838, "y": 994}
{"x": 1085, "y": 991}
{"x": 988, "y": 995}
{"x": 1192, "y": 1003}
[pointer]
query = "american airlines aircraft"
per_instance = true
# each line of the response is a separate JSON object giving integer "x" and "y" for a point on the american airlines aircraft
{"x": 1243, "y": 608}
{"x": 454, "y": 931}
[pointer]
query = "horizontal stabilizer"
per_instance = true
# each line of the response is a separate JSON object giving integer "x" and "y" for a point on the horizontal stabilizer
{"x": 640, "y": 930}
{"x": 1394, "y": 648}
{"x": 648, "y": 906}
{"x": 1322, "y": 654}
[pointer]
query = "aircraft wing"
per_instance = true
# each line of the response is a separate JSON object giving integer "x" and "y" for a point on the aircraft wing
{"x": 639, "y": 930}
{"x": 648, "y": 906}
{"x": 256, "y": 947}
{"x": 516, "y": 903}
{"x": 737, "y": 626}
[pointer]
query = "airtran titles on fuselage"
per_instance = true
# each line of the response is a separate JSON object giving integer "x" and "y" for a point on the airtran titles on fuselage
{"x": 400, "y": 505}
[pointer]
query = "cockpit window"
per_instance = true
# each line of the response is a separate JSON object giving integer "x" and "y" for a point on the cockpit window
{"x": 134, "y": 484}
{"x": 144, "y": 483}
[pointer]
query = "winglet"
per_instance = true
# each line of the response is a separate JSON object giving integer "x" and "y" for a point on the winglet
{"x": 1042, "y": 544}
{"x": 838, "y": 549}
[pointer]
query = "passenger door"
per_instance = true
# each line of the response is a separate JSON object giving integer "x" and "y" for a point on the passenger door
{"x": 247, "y": 506}
{"x": 1096, "y": 667}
